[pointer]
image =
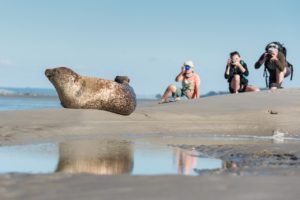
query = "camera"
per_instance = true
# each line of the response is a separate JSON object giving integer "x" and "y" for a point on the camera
{"x": 272, "y": 50}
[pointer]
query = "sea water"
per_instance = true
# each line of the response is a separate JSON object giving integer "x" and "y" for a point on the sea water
{"x": 37, "y": 98}
{"x": 27, "y": 99}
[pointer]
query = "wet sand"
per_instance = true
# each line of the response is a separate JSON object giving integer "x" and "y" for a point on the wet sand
{"x": 91, "y": 187}
{"x": 180, "y": 123}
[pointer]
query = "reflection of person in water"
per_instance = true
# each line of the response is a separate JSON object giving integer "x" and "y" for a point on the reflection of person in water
{"x": 107, "y": 157}
{"x": 230, "y": 165}
{"x": 186, "y": 162}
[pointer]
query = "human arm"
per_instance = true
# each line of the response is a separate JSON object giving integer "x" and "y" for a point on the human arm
{"x": 243, "y": 68}
{"x": 227, "y": 70}
{"x": 180, "y": 76}
{"x": 261, "y": 60}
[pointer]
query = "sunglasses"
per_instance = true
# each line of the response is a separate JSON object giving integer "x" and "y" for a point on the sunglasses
{"x": 187, "y": 67}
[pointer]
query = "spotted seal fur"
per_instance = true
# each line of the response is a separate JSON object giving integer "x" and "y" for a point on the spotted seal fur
{"x": 84, "y": 92}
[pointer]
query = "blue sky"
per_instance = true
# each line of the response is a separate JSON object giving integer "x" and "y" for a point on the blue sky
{"x": 146, "y": 40}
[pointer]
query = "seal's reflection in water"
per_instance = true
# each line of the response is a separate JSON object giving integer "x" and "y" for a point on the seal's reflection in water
{"x": 104, "y": 157}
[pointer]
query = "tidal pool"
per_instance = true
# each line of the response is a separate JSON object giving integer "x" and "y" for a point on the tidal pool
{"x": 104, "y": 157}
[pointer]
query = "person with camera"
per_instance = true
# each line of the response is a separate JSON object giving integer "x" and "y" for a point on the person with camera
{"x": 236, "y": 73}
{"x": 190, "y": 84}
{"x": 276, "y": 64}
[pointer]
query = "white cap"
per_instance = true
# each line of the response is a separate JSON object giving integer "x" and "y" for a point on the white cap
{"x": 189, "y": 63}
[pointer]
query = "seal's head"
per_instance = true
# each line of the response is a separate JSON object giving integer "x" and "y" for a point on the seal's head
{"x": 65, "y": 80}
{"x": 57, "y": 75}
{"x": 61, "y": 76}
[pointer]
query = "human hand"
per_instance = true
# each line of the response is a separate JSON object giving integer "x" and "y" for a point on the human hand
{"x": 236, "y": 64}
{"x": 183, "y": 69}
{"x": 274, "y": 57}
{"x": 229, "y": 62}
{"x": 266, "y": 55}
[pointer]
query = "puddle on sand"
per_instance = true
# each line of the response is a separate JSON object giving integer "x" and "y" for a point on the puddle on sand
{"x": 106, "y": 157}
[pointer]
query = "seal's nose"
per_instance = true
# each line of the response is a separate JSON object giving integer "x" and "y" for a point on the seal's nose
{"x": 48, "y": 73}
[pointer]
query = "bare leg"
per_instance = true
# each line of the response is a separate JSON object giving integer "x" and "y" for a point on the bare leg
{"x": 250, "y": 88}
{"x": 235, "y": 83}
{"x": 280, "y": 76}
{"x": 273, "y": 88}
{"x": 171, "y": 89}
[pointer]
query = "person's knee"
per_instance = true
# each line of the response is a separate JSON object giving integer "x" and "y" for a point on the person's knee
{"x": 235, "y": 81}
{"x": 172, "y": 88}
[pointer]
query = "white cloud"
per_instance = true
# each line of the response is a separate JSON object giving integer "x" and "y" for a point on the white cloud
{"x": 5, "y": 62}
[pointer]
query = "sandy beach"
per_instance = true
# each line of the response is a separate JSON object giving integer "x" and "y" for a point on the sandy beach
{"x": 61, "y": 61}
{"x": 258, "y": 114}
{"x": 185, "y": 124}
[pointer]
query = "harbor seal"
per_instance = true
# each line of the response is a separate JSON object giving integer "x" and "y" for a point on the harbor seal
{"x": 83, "y": 92}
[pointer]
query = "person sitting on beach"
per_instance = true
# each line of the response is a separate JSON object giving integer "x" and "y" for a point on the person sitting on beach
{"x": 190, "y": 84}
{"x": 276, "y": 64}
{"x": 236, "y": 73}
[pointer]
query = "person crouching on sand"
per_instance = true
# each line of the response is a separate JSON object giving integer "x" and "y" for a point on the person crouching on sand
{"x": 276, "y": 64}
{"x": 236, "y": 73}
{"x": 190, "y": 84}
